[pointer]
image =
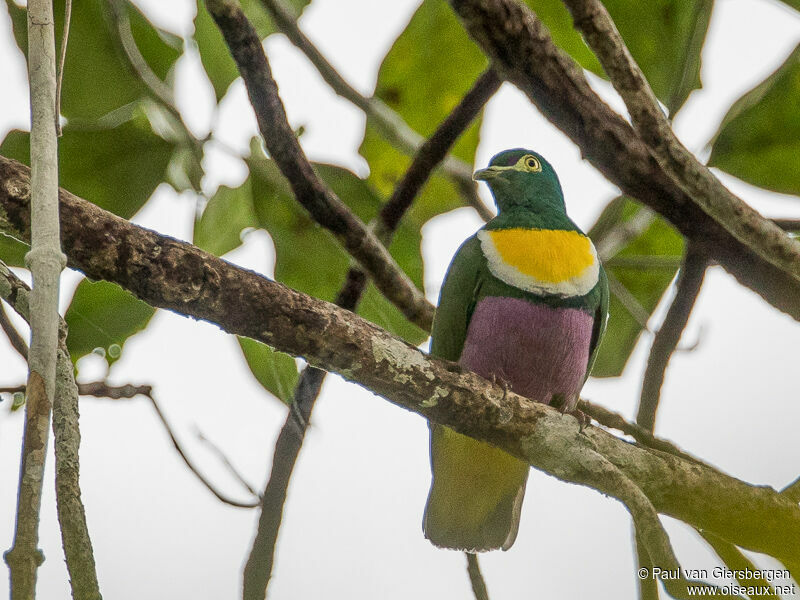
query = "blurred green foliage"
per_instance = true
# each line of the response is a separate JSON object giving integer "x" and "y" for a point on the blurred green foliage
{"x": 759, "y": 139}
{"x": 121, "y": 142}
{"x": 216, "y": 59}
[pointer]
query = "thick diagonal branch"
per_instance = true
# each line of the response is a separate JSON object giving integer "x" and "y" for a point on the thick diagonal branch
{"x": 743, "y": 222}
{"x": 390, "y": 124}
{"x": 309, "y": 190}
{"x": 167, "y": 273}
{"x": 524, "y": 53}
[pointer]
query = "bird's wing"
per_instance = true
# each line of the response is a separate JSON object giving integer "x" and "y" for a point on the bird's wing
{"x": 600, "y": 319}
{"x": 457, "y": 301}
{"x": 476, "y": 489}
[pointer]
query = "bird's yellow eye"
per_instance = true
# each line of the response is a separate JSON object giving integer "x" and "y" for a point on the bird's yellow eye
{"x": 532, "y": 164}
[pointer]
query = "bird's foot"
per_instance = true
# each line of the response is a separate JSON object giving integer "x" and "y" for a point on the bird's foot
{"x": 566, "y": 407}
{"x": 503, "y": 383}
{"x": 583, "y": 419}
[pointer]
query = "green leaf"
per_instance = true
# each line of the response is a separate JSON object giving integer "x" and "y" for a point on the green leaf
{"x": 226, "y": 215}
{"x": 214, "y": 54}
{"x": 554, "y": 14}
{"x": 116, "y": 168}
{"x": 759, "y": 139}
{"x": 423, "y": 77}
{"x": 275, "y": 371}
{"x": 103, "y": 315}
{"x": 308, "y": 258}
{"x": 12, "y": 251}
{"x": 645, "y": 265}
{"x": 97, "y": 76}
{"x": 666, "y": 40}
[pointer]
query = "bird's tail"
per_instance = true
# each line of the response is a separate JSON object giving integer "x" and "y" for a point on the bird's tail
{"x": 476, "y": 494}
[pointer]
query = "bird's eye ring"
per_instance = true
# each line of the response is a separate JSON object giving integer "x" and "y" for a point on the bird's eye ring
{"x": 532, "y": 164}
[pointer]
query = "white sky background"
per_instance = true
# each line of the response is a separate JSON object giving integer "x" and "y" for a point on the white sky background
{"x": 352, "y": 524}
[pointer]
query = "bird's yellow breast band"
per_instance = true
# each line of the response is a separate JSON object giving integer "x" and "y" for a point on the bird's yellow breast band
{"x": 562, "y": 263}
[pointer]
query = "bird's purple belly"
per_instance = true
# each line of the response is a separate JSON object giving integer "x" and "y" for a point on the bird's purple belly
{"x": 538, "y": 351}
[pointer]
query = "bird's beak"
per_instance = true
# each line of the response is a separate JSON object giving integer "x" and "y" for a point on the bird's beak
{"x": 488, "y": 174}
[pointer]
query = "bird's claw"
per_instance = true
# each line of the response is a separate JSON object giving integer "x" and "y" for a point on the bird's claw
{"x": 503, "y": 383}
{"x": 559, "y": 402}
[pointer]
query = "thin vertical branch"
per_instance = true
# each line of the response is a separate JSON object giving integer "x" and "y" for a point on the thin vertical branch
{"x": 476, "y": 577}
{"x": 62, "y": 59}
{"x": 435, "y": 149}
{"x": 71, "y": 512}
{"x": 690, "y": 279}
{"x": 24, "y": 557}
{"x": 45, "y": 261}
{"x": 648, "y": 584}
{"x": 258, "y": 569}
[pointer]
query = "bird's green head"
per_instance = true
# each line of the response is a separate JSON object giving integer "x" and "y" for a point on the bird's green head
{"x": 522, "y": 178}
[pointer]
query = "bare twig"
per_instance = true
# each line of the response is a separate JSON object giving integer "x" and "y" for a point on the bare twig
{"x": 645, "y": 262}
{"x": 71, "y": 512}
{"x": 690, "y": 279}
{"x": 613, "y": 420}
{"x": 435, "y": 149}
{"x": 168, "y": 273}
{"x": 62, "y": 59}
{"x": 624, "y": 232}
{"x": 736, "y": 561}
{"x": 227, "y": 462}
{"x": 762, "y": 236}
{"x": 161, "y": 92}
{"x": 14, "y": 337}
{"x": 628, "y": 300}
{"x": 390, "y": 124}
{"x": 13, "y": 389}
{"x": 321, "y": 203}
{"x": 119, "y": 12}
{"x": 210, "y": 486}
{"x": 98, "y": 389}
{"x": 258, "y": 569}
{"x": 476, "y": 577}
{"x": 24, "y": 557}
{"x": 101, "y": 389}
{"x": 522, "y": 50}
{"x": 788, "y": 224}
